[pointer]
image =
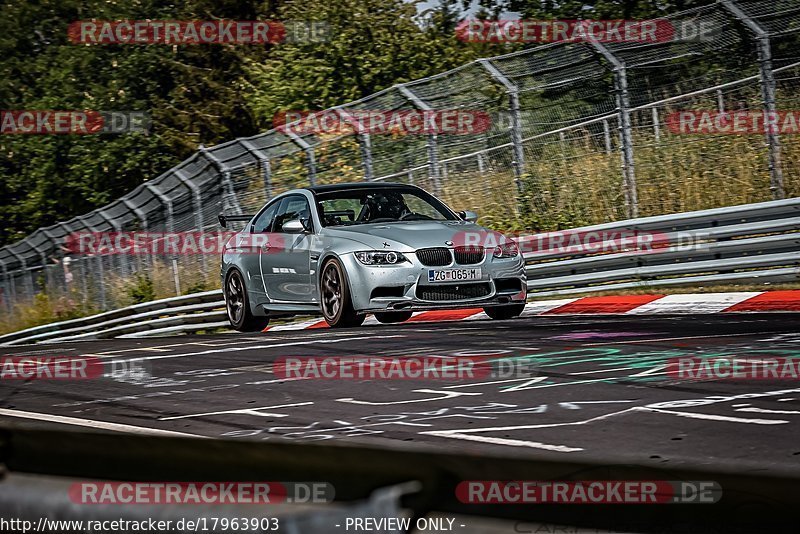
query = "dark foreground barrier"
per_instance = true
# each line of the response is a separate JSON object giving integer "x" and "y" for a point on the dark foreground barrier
{"x": 387, "y": 481}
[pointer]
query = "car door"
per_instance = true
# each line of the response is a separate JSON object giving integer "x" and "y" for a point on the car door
{"x": 285, "y": 263}
{"x": 259, "y": 235}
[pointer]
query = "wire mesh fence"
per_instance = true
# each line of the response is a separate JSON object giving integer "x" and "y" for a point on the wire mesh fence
{"x": 579, "y": 133}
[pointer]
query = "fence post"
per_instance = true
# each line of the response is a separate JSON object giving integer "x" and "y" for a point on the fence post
{"x": 167, "y": 203}
{"x": 607, "y": 137}
{"x": 123, "y": 266}
{"x": 6, "y": 287}
{"x": 66, "y": 252}
{"x": 516, "y": 119}
{"x": 198, "y": 211}
{"x": 43, "y": 258}
{"x": 768, "y": 96}
{"x": 82, "y": 255}
{"x": 57, "y": 253}
{"x": 228, "y": 191}
{"x": 625, "y": 134}
{"x": 364, "y": 142}
{"x": 433, "y": 148}
{"x": 266, "y": 167}
{"x": 311, "y": 163}
{"x": 27, "y": 283}
{"x": 100, "y": 268}
{"x": 142, "y": 216}
{"x": 656, "y": 126}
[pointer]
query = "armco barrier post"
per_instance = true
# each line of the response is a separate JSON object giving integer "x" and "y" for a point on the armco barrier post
{"x": 433, "y": 148}
{"x": 625, "y": 137}
{"x": 767, "y": 94}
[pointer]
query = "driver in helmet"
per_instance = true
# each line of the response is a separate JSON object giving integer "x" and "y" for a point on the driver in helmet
{"x": 386, "y": 205}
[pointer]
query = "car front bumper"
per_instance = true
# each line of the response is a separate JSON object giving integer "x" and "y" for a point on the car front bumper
{"x": 405, "y": 286}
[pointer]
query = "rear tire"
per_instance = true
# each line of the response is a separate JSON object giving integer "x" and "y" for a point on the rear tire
{"x": 336, "y": 304}
{"x": 393, "y": 317}
{"x": 505, "y": 312}
{"x": 237, "y": 305}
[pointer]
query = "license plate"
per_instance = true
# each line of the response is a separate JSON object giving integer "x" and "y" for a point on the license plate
{"x": 453, "y": 275}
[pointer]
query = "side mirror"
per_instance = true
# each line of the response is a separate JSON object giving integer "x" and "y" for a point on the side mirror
{"x": 469, "y": 216}
{"x": 295, "y": 226}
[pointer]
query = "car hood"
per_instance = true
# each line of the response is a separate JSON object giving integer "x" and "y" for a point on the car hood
{"x": 408, "y": 236}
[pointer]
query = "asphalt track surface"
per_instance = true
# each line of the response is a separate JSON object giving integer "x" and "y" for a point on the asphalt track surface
{"x": 599, "y": 391}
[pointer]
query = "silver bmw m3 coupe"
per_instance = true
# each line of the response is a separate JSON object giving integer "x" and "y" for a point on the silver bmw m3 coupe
{"x": 348, "y": 250}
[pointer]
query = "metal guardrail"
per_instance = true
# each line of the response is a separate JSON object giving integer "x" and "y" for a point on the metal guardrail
{"x": 758, "y": 243}
{"x": 159, "y": 315}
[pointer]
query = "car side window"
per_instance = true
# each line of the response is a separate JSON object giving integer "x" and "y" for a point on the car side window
{"x": 263, "y": 223}
{"x": 292, "y": 207}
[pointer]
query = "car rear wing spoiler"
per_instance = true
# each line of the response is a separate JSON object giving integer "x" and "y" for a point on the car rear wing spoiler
{"x": 225, "y": 219}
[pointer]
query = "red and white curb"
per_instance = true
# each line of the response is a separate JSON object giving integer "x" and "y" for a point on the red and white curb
{"x": 745, "y": 301}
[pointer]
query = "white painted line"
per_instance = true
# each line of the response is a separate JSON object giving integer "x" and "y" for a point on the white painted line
{"x": 244, "y": 411}
{"x": 693, "y": 303}
{"x": 712, "y": 417}
{"x": 763, "y": 410}
{"x": 103, "y": 425}
{"x": 504, "y": 441}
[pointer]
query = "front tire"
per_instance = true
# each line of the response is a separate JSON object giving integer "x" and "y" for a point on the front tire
{"x": 505, "y": 312}
{"x": 393, "y": 317}
{"x": 337, "y": 306}
{"x": 238, "y": 305}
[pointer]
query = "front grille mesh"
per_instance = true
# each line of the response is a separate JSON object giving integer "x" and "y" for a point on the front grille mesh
{"x": 468, "y": 255}
{"x": 434, "y": 257}
{"x": 454, "y": 291}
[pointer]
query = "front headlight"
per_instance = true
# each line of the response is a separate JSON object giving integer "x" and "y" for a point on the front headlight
{"x": 380, "y": 257}
{"x": 508, "y": 249}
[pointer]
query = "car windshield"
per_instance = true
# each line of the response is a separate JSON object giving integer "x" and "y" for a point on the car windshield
{"x": 380, "y": 205}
